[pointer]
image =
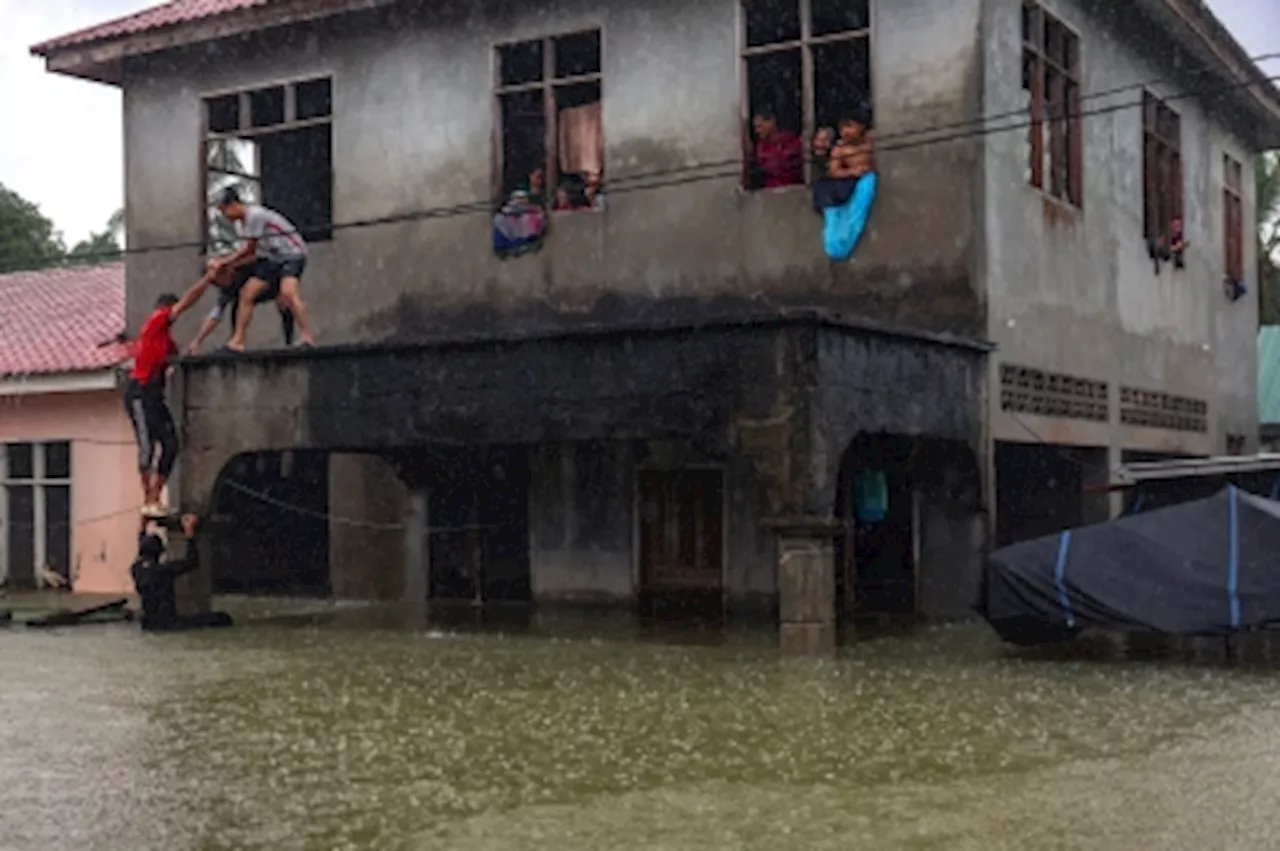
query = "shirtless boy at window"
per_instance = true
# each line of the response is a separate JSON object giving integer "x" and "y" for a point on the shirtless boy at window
{"x": 854, "y": 151}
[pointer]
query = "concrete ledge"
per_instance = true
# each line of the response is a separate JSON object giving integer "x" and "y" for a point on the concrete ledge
{"x": 813, "y": 317}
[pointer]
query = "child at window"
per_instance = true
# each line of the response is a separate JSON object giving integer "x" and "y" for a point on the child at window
{"x": 854, "y": 151}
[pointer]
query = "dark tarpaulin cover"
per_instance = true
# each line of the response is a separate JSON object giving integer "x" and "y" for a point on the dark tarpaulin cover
{"x": 1209, "y": 567}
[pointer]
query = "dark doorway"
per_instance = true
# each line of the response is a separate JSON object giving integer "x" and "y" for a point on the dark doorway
{"x": 274, "y": 534}
{"x": 478, "y": 512}
{"x": 681, "y": 541}
{"x": 876, "y": 554}
{"x": 1039, "y": 491}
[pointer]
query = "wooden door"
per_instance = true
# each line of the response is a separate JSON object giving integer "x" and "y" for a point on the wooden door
{"x": 681, "y": 529}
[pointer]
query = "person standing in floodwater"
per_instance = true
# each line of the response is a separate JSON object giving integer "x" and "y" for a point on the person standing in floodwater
{"x": 154, "y": 578}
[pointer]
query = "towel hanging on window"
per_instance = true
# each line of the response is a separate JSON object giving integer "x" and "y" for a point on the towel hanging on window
{"x": 581, "y": 139}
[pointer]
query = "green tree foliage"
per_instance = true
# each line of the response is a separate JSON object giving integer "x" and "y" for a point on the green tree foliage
{"x": 100, "y": 247}
{"x": 1267, "y": 175}
{"x": 227, "y": 164}
{"x": 28, "y": 239}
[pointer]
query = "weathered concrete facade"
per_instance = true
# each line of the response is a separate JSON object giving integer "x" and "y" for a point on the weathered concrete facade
{"x": 1072, "y": 291}
{"x": 691, "y": 324}
{"x": 404, "y": 142}
{"x": 757, "y": 400}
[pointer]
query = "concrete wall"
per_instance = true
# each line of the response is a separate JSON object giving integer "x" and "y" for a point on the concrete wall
{"x": 583, "y": 516}
{"x": 105, "y": 492}
{"x": 1073, "y": 291}
{"x": 368, "y": 523}
{"x": 412, "y": 130}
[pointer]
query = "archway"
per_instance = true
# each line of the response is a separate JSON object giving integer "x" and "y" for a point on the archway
{"x": 272, "y": 535}
{"x": 911, "y": 511}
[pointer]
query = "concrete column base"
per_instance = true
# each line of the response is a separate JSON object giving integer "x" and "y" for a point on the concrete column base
{"x": 806, "y": 585}
{"x": 807, "y": 639}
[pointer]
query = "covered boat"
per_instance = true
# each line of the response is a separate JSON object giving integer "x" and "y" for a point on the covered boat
{"x": 1203, "y": 568}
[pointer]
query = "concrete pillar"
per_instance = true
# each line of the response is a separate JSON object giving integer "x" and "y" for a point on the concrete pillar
{"x": 951, "y": 536}
{"x": 194, "y": 483}
{"x": 807, "y": 585}
{"x": 1115, "y": 500}
{"x": 417, "y": 565}
{"x": 1095, "y": 468}
{"x": 368, "y": 510}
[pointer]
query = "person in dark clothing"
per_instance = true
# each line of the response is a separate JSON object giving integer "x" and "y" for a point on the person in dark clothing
{"x": 154, "y": 578}
{"x": 230, "y": 283}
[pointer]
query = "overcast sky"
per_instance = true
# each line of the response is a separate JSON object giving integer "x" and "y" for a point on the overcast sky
{"x": 61, "y": 145}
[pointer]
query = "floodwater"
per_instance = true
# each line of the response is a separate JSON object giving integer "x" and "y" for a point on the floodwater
{"x": 330, "y": 732}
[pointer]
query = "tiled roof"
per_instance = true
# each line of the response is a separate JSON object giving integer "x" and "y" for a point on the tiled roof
{"x": 156, "y": 17}
{"x": 52, "y": 321}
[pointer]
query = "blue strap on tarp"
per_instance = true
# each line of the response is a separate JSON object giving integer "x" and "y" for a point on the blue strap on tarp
{"x": 1059, "y": 577}
{"x": 1233, "y": 557}
{"x": 1275, "y": 489}
{"x": 1138, "y": 501}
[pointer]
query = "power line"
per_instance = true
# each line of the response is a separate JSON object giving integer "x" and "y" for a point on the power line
{"x": 715, "y": 170}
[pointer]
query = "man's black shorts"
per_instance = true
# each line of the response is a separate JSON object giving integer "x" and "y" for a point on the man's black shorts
{"x": 272, "y": 272}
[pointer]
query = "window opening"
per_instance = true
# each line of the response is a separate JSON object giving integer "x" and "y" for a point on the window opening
{"x": 1161, "y": 177}
{"x": 1051, "y": 81}
{"x": 550, "y": 121}
{"x": 275, "y": 146}
{"x": 35, "y": 507}
{"x": 1233, "y": 218}
{"x": 806, "y": 65}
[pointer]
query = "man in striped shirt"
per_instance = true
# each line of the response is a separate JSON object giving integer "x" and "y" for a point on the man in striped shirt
{"x": 277, "y": 256}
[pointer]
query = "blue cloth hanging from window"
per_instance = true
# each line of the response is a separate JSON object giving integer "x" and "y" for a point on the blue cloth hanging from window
{"x": 844, "y": 222}
{"x": 870, "y": 496}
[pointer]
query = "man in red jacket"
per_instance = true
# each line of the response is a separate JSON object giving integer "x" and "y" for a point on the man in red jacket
{"x": 144, "y": 399}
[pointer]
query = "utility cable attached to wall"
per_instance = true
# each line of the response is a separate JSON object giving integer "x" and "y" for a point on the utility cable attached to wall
{"x": 724, "y": 169}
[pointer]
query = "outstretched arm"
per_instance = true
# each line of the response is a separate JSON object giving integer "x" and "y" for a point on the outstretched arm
{"x": 191, "y": 296}
{"x": 246, "y": 252}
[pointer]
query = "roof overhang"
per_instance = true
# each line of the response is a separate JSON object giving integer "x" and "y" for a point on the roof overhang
{"x": 102, "y": 60}
{"x": 1251, "y": 100}
{"x": 1130, "y": 475}
{"x": 44, "y": 384}
{"x": 1188, "y": 23}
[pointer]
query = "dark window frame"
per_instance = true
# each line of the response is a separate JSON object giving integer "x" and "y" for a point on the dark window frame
{"x": 548, "y": 84}
{"x": 804, "y": 45}
{"x": 40, "y": 483}
{"x": 1052, "y": 69}
{"x": 1233, "y": 217}
{"x": 1162, "y": 180}
{"x": 245, "y": 129}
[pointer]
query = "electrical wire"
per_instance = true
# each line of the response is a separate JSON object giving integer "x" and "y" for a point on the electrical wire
{"x": 696, "y": 172}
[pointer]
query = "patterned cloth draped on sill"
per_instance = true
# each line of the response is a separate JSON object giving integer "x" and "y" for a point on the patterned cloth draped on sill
{"x": 519, "y": 226}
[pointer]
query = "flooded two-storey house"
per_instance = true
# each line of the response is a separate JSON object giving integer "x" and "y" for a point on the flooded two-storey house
{"x": 581, "y": 338}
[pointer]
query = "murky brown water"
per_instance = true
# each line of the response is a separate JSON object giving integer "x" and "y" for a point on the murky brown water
{"x": 327, "y": 735}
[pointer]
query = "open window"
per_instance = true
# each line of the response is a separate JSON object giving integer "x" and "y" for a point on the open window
{"x": 1233, "y": 218}
{"x": 1051, "y": 81}
{"x": 549, "y": 103}
{"x": 806, "y": 64}
{"x": 1161, "y": 170}
{"x": 275, "y": 145}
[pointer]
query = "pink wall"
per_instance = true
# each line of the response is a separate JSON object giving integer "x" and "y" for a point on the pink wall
{"x": 105, "y": 494}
